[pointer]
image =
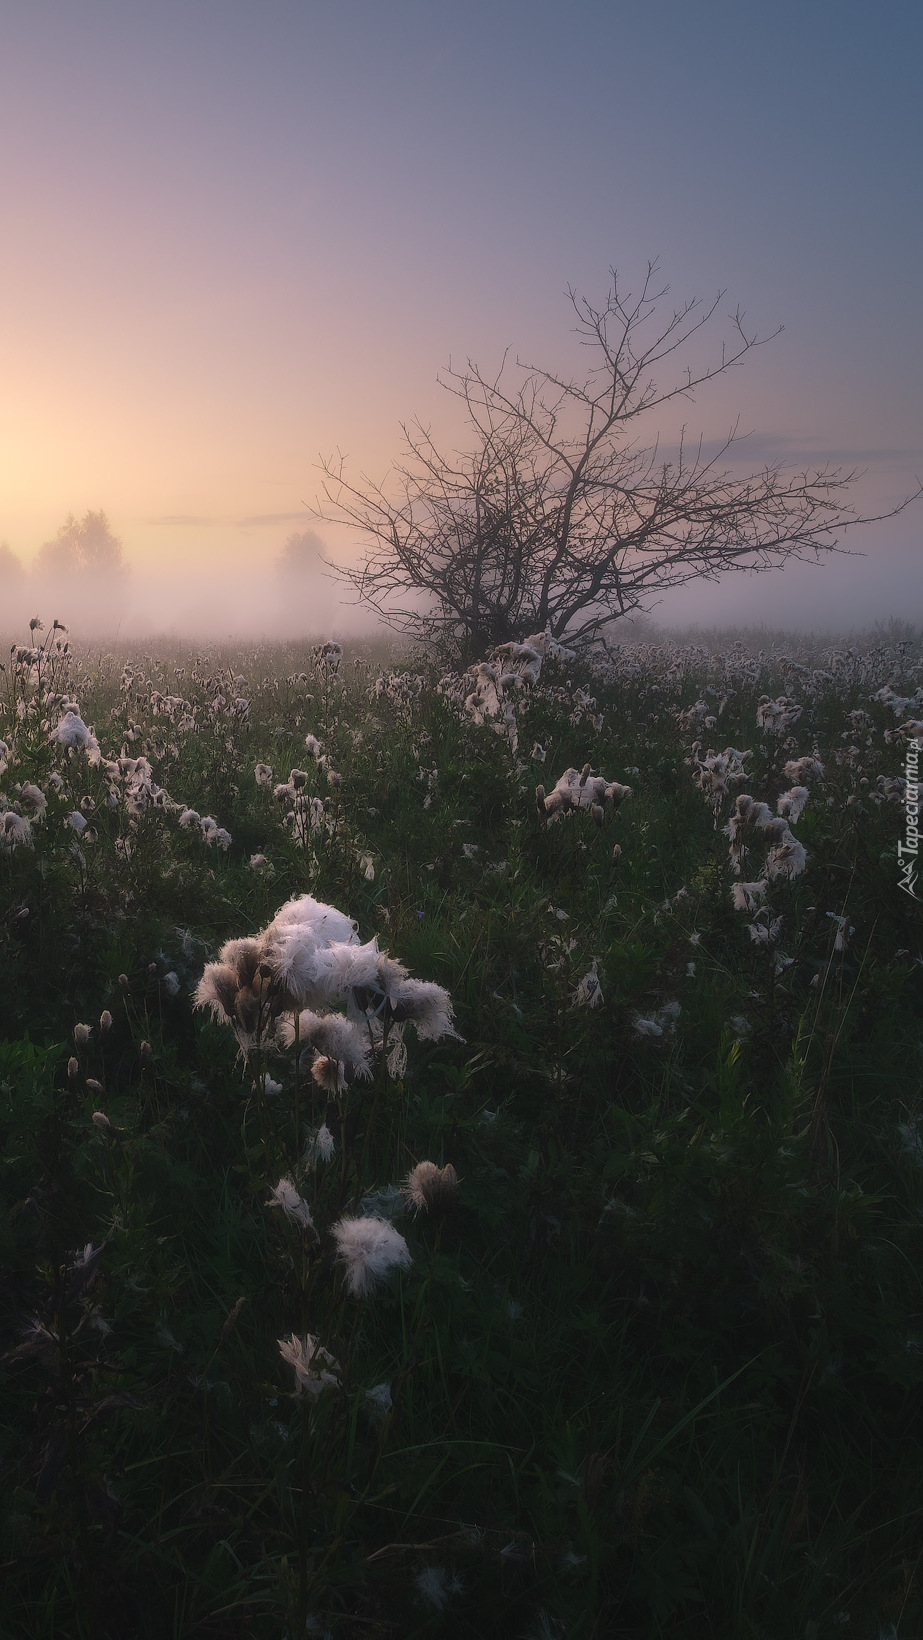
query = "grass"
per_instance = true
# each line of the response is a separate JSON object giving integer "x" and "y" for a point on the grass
{"x": 658, "y": 1373}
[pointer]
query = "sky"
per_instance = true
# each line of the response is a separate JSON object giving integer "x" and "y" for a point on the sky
{"x": 243, "y": 234}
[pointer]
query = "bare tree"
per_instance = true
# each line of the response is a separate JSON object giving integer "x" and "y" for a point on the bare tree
{"x": 564, "y": 515}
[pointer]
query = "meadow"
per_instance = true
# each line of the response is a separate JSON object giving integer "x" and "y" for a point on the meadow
{"x": 640, "y": 1353}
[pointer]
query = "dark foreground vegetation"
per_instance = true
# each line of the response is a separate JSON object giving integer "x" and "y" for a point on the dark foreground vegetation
{"x": 655, "y": 1368}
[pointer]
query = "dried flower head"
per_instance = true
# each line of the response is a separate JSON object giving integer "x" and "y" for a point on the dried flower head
{"x": 431, "y": 1187}
{"x": 321, "y": 1147}
{"x": 370, "y": 1250}
{"x": 286, "y": 1196}
{"x": 314, "y": 1367}
{"x": 589, "y": 991}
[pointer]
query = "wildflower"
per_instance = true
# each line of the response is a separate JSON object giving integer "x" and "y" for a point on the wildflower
{"x": 370, "y": 1249}
{"x": 431, "y": 1187}
{"x": 436, "y": 1586}
{"x": 236, "y": 990}
{"x": 661, "y": 1023}
{"x": 33, "y": 798}
{"x": 82, "y": 1035}
{"x": 844, "y": 931}
{"x": 334, "y": 1037}
{"x": 258, "y": 862}
{"x": 788, "y": 860}
{"x": 589, "y": 991}
{"x": 791, "y": 803}
{"x": 286, "y": 1196}
{"x": 767, "y": 931}
{"x": 105, "y": 1022}
{"x": 320, "y": 1147}
{"x": 73, "y": 733}
{"x": 804, "y": 768}
{"x": 73, "y": 1069}
{"x": 263, "y": 774}
{"x": 777, "y": 716}
{"x": 647, "y": 1027}
{"x": 578, "y": 790}
{"x": 747, "y": 896}
{"x": 329, "y": 1074}
{"x": 101, "y": 1121}
{"x": 314, "y": 1367}
{"x": 15, "y": 832}
{"x": 427, "y": 1006}
{"x": 170, "y": 984}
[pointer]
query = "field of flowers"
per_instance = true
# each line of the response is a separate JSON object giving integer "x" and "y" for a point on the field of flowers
{"x": 462, "y": 1143}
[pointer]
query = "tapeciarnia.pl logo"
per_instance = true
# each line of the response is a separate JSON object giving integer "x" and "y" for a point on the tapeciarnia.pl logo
{"x": 909, "y": 849}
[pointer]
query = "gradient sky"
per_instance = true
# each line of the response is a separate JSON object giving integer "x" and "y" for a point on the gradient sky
{"x": 238, "y": 234}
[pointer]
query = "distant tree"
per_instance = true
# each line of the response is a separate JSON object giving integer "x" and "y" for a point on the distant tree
{"x": 568, "y": 511}
{"x": 302, "y": 556}
{"x": 84, "y": 546}
{"x": 12, "y": 573}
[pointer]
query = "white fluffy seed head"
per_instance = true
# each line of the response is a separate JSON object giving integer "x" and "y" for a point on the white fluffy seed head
{"x": 370, "y": 1249}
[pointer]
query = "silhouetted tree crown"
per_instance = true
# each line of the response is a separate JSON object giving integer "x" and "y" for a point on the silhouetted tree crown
{"x": 301, "y": 556}
{"x": 82, "y": 546}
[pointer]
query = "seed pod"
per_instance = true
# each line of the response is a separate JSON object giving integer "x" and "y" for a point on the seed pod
{"x": 100, "y": 1120}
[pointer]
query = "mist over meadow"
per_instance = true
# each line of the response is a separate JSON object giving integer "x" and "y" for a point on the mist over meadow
{"x": 280, "y": 591}
{"x": 287, "y": 589}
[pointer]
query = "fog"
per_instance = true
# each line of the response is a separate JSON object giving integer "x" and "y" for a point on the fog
{"x": 267, "y": 598}
{"x": 237, "y": 600}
